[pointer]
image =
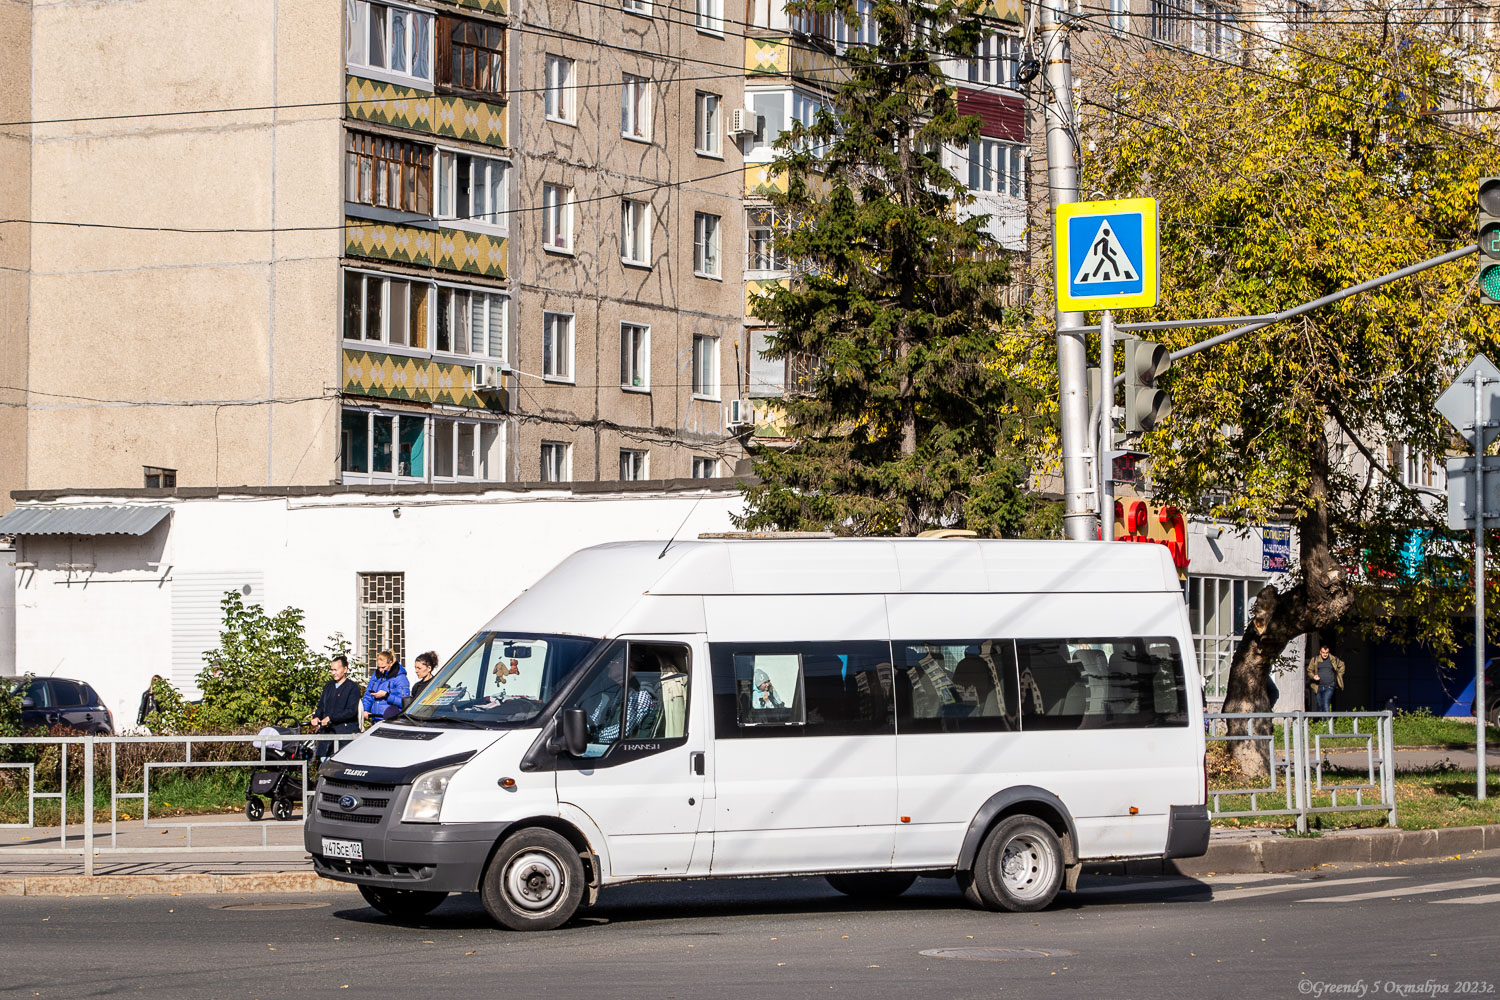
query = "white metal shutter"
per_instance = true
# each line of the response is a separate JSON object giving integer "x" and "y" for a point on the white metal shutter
{"x": 197, "y": 618}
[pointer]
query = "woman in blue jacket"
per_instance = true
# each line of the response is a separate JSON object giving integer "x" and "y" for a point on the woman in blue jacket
{"x": 387, "y": 691}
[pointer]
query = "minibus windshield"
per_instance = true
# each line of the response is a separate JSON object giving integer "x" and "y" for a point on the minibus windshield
{"x": 500, "y": 679}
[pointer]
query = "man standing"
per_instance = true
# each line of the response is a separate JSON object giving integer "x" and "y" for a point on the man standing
{"x": 149, "y": 703}
{"x": 338, "y": 705}
{"x": 1326, "y": 673}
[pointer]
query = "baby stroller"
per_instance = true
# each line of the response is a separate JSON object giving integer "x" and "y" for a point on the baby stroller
{"x": 279, "y": 784}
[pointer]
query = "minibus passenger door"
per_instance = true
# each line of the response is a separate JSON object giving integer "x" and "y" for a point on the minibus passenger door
{"x": 641, "y": 779}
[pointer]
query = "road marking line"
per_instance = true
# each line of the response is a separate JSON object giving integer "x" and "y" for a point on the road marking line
{"x": 1493, "y": 897}
{"x": 1414, "y": 890}
{"x": 1267, "y": 890}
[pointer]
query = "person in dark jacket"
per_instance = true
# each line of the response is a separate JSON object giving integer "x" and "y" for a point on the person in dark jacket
{"x": 338, "y": 705}
{"x": 425, "y": 665}
{"x": 388, "y": 692}
{"x": 148, "y": 701}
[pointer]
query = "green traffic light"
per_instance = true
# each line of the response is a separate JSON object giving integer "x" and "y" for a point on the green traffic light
{"x": 1489, "y": 281}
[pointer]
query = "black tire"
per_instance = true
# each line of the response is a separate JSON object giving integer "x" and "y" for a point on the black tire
{"x": 534, "y": 882}
{"x": 1494, "y": 716}
{"x": 254, "y": 808}
{"x": 872, "y": 885}
{"x": 1018, "y": 868}
{"x": 282, "y": 809}
{"x": 401, "y": 902}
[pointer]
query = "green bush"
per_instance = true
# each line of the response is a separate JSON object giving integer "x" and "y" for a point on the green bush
{"x": 12, "y": 690}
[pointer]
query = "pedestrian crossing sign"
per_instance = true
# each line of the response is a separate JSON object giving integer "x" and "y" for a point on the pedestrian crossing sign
{"x": 1106, "y": 254}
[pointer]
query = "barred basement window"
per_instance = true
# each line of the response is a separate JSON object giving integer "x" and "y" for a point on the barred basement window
{"x": 382, "y": 615}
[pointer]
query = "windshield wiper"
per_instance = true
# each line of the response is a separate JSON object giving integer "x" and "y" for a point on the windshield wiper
{"x": 456, "y": 720}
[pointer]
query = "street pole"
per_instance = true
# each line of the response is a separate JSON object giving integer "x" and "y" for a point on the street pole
{"x": 1106, "y": 426}
{"x": 1479, "y": 512}
{"x": 1072, "y": 360}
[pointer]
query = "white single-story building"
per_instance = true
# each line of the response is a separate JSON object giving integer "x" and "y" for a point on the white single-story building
{"x": 111, "y": 588}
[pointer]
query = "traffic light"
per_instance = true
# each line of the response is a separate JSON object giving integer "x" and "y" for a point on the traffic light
{"x": 1488, "y": 231}
{"x": 1146, "y": 406}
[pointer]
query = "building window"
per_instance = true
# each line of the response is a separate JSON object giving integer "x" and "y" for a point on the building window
{"x": 466, "y": 449}
{"x": 633, "y": 464}
{"x": 388, "y": 173}
{"x": 385, "y": 310}
{"x": 472, "y": 189}
{"x": 470, "y": 323}
{"x": 557, "y": 346}
{"x": 1299, "y": 14}
{"x": 705, "y": 366}
{"x": 706, "y": 244}
{"x": 557, "y": 461}
{"x": 559, "y": 89}
{"x": 814, "y": 24}
{"x": 390, "y": 39}
{"x": 760, "y": 237}
{"x": 862, "y": 30}
{"x": 557, "y": 217}
{"x": 997, "y": 60}
{"x": 635, "y": 107}
{"x": 997, "y": 167}
{"x": 1119, "y": 15}
{"x": 710, "y": 16}
{"x": 1205, "y": 26}
{"x": 706, "y": 125}
{"x": 382, "y": 616}
{"x": 635, "y": 232}
{"x": 705, "y": 468}
{"x": 1218, "y": 609}
{"x": 471, "y": 56}
{"x": 642, "y": 7}
{"x": 383, "y": 445}
{"x": 158, "y": 478}
{"x": 635, "y": 356}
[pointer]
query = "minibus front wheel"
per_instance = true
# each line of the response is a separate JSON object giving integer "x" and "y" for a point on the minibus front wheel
{"x": 1019, "y": 866}
{"x": 534, "y": 882}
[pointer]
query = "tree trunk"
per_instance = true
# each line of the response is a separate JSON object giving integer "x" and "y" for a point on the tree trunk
{"x": 1320, "y": 598}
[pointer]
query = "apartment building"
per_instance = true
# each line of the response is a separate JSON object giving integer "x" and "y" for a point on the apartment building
{"x": 368, "y": 242}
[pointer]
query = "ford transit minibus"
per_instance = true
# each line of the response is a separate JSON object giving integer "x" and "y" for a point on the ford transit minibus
{"x": 869, "y": 710}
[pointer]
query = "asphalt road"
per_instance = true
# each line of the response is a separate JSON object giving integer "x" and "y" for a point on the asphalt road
{"x": 1402, "y": 929}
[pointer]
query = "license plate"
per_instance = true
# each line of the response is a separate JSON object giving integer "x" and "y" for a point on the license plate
{"x": 353, "y": 850}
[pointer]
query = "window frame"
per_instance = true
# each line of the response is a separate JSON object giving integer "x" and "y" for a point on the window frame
{"x": 638, "y": 361}
{"x": 551, "y": 356}
{"x": 374, "y": 158}
{"x": 711, "y": 469}
{"x": 770, "y": 254}
{"x": 804, "y": 720}
{"x": 701, "y": 366}
{"x": 557, "y": 218}
{"x": 641, "y": 8}
{"x": 562, "y": 471}
{"x": 357, "y": 57}
{"x": 708, "y": 124}
{"x": 636, "y": 222}
{"x": 708, "y": 248}
{"x": 445, "y": 173}
{"x": 640, "y": 462}
{"x": 559, "y": 96}
{"x": 370, "y": 474}
{"x": 708, "y": 17}
{"x": 635, "y": 107}
{"x": 995, "y": 160}
{"x": 443, "y": 32}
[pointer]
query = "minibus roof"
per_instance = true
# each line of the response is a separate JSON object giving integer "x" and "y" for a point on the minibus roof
{"x": 595, "y": 588}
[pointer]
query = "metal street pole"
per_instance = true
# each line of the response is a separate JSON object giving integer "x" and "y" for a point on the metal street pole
{"x": 1479, "y": 512}
{"x": 1072, "y": 360}
{"x": 1106, "y": 426}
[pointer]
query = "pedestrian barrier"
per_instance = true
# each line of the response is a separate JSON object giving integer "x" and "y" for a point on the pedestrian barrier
{"x": 1295, "y": 747}
{"x": 204, "y": 752}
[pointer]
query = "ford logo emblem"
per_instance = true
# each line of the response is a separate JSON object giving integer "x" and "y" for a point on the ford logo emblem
{"x": 348, "y": 803}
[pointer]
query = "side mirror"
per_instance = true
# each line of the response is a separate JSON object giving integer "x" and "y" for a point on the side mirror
{"x": 28, "y": 703}
{"x": 575, "y": 732}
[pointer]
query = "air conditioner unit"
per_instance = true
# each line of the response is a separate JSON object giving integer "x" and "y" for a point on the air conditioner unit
{"x": 488, "y": 378}
{"x": 743, "y": 121}
{"x": 741, "y": 413}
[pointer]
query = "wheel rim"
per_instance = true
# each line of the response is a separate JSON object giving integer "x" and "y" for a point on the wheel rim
{"x": 534, "y": 880}
{"x": 1027, "y": 866}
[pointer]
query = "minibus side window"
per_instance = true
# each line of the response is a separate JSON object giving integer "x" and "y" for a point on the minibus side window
{"x": 801, "y": 689}
{"x": 649, "y": 702}
{"x": 954, "y": 686}
{"x": 1101, "y": 683}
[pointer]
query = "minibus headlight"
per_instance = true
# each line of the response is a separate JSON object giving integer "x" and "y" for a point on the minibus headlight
{"x": 426, "y": 799}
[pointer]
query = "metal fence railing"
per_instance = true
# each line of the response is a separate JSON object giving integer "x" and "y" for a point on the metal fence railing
{"x": 65, "y": 770}
{"x": 1300, "y": 780}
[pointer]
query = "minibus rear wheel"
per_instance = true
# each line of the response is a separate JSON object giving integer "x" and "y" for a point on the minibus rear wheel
{"x": 1019, "y": 867}
{"x": 535, "y": 881}
{"x": 872, "y": 885}
{"x": 401, "y": 902}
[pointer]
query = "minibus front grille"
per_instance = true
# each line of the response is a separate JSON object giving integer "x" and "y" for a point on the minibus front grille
{"x": 358, "y": 786}
{"x": 332, "y": 798}
{"x": 343, "y": 817}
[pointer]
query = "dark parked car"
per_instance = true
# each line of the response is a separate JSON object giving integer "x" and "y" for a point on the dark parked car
{"x": 57, "y": 701}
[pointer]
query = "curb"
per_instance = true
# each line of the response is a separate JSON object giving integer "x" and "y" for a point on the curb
{"x": 1284, "y": 854}
{"x": 165, "y": 885}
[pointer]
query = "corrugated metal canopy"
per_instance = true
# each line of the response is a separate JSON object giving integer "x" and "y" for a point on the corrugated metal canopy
{"x": 82, "y": 520}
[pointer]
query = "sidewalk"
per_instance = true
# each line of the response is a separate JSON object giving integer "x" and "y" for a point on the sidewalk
{"x": 1416, "y": 758}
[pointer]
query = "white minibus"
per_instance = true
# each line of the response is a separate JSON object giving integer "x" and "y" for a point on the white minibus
{"x": 869, "y": 710}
